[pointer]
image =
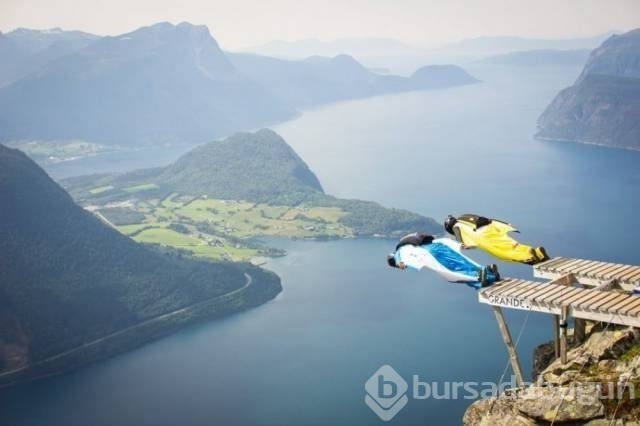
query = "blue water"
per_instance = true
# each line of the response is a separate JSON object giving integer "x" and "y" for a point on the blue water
{"x": 304, "y": 358}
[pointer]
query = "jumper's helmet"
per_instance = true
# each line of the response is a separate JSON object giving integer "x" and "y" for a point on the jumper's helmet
{"x": 448, "y": 224}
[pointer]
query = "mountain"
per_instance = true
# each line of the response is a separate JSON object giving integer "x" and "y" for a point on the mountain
{"x": 257, "y": 167}
{"x": 317, "y": 80}
{"x": 165, "y": 84}
{"x": 540, "y": 58}
{"x": 504, "y": 44}
{"x": 404, "y": 58}
{"x": 74, "y": 290}
{"x": 24, "y": 51}
{"x": 158, "y": 84}
{"x": 247, "y": 166}
{"x": 603, "y": 105}
{"x": 360, "y": 47}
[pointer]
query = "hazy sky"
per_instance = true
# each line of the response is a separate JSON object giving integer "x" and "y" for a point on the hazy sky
{"x": 239, "y": 23}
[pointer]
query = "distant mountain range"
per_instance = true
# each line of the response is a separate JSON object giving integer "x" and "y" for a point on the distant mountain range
{"x": 317, "y": 80}
{"x": 25, "y": 51}
{"x": 540, "y": 58}
{"x": 166, "y": 84}
{"x": 504, "y": 44}
{"x": 258, "y": 167}
{"x": 382, "y": 53}
{"x": 69, "y": 280}
{"x": 158, "y": 84}
{"x": 363, "y": 48}
{"x": 603, "y": 105}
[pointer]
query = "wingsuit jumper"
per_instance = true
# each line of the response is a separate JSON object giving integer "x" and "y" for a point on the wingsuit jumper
{"x": 443, "y": 256}
{"x": 492, "y": 236}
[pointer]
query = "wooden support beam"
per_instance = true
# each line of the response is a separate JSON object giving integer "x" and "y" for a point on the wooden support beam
{"x": 563, "y": 334}
{"x": 506, "y": 337}
{"x": 556, "y": 335}
{"x": 579, "y": 334}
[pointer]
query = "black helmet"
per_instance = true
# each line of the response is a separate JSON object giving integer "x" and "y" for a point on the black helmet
{"x": 391, "y": 260}
{"x": 448, "y": 224}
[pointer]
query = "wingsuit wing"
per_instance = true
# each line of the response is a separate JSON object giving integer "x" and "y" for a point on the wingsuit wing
{"x": 443, "y": 259}
{"x": 503, "y": 226}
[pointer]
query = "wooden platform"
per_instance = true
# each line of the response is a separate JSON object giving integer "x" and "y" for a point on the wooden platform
{"x": 608, "y": 306}
{"x": 590, "y": 272}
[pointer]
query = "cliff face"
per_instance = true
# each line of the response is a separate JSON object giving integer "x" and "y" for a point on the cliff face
{"x": 600, "y": 382}
{"x": 603, "y": 106}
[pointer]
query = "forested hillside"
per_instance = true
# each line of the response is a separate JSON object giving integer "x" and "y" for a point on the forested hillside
{"x": 68, "y": 279}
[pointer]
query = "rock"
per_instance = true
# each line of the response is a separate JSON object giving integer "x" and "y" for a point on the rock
{"x": 560, "y": 404}
{"x": 610, "y": 343}
{"x": 607, "y": 365}
{"x": 593, "y": 369}
{"x": 543, "y": 355}
{"x": 494, "y": 412}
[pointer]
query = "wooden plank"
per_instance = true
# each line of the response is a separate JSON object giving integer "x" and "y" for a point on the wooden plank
{"x": 634, "y": 311}
{"x": 611, "y": 267}
{"x": 568, "y": 262}
{"x": 635, "y": 277}
{"x": 507, "y": 291}
{"x": 579, "y": 295}
{"x": 597, "y": 303}
{"x": 495, "y": 289}
{"x": 547, "y": 289}
{"x": 561, "y": 261}
{"x": 587, "y": 295}
{"x": 586, "y": 264}
{"x": 599, "y": 295}
{"x": 517, "y": 288}
{"x": 550, "y": 263}
{"x": 585, "y": 267}
{"x": 559, "y": 301}
{"x": 592, "y": 272}
{"x": 621, "y": 304}
{"x": 570, "y": 265}
{"x": 629, "y": 274}
{"x": 524, "y": 290}
{"x": 624, "y": 310}
{"x": 552, "y": 294}
{"x": 614, "y": 302}
{"x": 526, "y": 294}
{"x": 618, "y": 319}
{"x": 617, "y": 272}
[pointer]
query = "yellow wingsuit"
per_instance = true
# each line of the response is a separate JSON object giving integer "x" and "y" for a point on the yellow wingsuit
{"x": 492, "y": 236}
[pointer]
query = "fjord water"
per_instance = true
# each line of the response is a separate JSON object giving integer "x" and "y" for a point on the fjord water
{"x": 304, "y": 357}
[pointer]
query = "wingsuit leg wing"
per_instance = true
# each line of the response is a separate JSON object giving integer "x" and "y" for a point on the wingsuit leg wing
{"x": 445, "y": 259}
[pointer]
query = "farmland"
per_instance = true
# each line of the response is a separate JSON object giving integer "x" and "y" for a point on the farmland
{"x": 220, "y": 229}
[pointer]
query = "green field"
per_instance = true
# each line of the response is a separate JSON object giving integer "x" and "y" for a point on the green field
{"x": 142, "y": 187}
{"x": 100, "y": 189}
{"x": 218, "y": 229}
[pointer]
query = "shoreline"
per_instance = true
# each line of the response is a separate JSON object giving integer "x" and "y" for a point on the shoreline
{"x": 602, "y": 145}
{"x": 138, "y": 335}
